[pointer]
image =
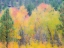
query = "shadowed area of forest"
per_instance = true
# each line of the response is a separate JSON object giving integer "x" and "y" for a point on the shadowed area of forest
{"x": 31, "y": 23}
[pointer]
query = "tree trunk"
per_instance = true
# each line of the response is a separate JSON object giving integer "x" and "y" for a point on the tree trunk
{"x": 51, "y": 40}
{"x": 7, "y": 45}
{"x": 6, "y": 40}
{"x": 57, "y": 39}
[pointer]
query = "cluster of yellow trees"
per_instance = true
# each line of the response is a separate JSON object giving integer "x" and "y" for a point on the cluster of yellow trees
{"x": 39, "y": 28}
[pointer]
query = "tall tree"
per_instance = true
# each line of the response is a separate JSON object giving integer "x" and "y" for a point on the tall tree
{"x": 7, "y": 26}
{"x": 42, "y": 17}
{"x": 61, "y": 10}
{"x": 30, "y": 7}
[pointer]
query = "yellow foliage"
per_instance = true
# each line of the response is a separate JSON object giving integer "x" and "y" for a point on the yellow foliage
{"x": 18, "y": 37}
{"x": 13, "y": 45}
{"x": 33, "y": 44}
{"x": 45, "y": 15}
{"x": 20, "y": 18}
{"x": 1, "y": 45}
{"x": 39, "y": 45}
{"x": 22, "y": 46}
{"x": 55, "y": 46}
{"x": 41, "y": 17}
{"x": 49, "y": 45}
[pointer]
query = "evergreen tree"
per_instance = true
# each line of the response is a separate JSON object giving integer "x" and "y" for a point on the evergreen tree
{"x": 6, "y": 27}
{"x": 30, "y": 7}
{"x": 61, "y": 10}
{"x": 61, "y": 26}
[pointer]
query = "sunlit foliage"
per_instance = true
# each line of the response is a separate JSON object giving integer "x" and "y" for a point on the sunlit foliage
{"x": 44, "y": 15}
{"x": 39, "y": 29}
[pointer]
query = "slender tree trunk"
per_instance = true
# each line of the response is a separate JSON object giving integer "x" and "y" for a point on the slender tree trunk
{"x": 51, "y": 40}
{"x": 7, "y": 45}
{"x": 6, "y": 40}
{"x": 56, "y": 37}
{"x": 22, "y": 40}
